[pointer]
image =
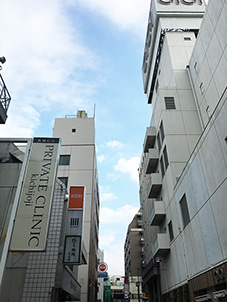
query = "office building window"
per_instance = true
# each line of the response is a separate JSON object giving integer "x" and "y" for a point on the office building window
{"x": 170, "y": 227}
{"x": 170, "y": 103}
{"x": 165, "y": 158}
{"x": 64, "y": 180}
{"x": 184, "y": 210}
{"x": 162, "y": 134}
{"x": 64, "y": 160}
{"x": 162, "y": 166}
{"x": 159, "y": 142}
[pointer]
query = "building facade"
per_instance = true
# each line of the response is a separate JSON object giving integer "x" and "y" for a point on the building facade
{"x": 32, "y": 275}
{"x": 133, "y": 257}
{"x": 183, "y": 166}
{"x": 77, "y": 167}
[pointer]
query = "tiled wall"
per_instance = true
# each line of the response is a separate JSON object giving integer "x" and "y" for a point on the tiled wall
{"x": 41, "y": 270}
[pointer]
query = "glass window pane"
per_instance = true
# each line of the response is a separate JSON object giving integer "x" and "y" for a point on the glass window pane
{"x": 64, "y": 160}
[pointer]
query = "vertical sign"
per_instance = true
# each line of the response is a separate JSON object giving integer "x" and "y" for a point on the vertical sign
{"x": 76, "y": 198}
{"x": 33, "y": 214}
{"x": 74, "y": 229}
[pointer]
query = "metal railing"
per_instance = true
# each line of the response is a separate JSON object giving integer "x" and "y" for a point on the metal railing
{"x": 5, "y": 97}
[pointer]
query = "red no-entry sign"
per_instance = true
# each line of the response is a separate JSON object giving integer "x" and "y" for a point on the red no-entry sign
{"x": 102, "y": 267}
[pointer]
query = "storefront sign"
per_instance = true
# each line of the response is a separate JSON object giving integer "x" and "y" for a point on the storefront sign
{"x": 74, "y": 222}
{"x": 76, "y": 198}
{"x": 72, "y": 250}
{"x": 70, "y": 285}
{"x": 33, "y": 213}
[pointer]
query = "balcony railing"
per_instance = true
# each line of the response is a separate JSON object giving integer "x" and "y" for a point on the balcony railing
{"x": 155, "y": 185}
{"x": 161, "y": 245}
{"x": 4, "y": 101}
{"x": 157, "y": 213}
{"x": 149, "y": 139}
{"x": 151, "y": 161}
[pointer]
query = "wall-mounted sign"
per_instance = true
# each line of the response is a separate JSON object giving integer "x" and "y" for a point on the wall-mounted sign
{"x": 74, "y": 222}
{"x": 72, "y": 250}
{"x": 186, "y": 2}
{"x": 76, "y": 198}
{"x": 33, "y": 213}
{"x": 102, "y": 275}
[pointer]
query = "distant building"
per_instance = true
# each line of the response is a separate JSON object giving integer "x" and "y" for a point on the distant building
{"x": 133, "y": 256}
{"x": 183, "y": 171}
{"x": 77, "y": 167}
{"x": 100, "y": 280}
{"x": 117, "y": 288}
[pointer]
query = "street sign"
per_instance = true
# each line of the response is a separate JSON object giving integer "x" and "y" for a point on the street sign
{"x": 102, "y": 275}
{"x": 102, "y": 267}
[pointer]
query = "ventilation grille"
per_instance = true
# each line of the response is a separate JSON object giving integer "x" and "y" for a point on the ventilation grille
{"x": 170, "y": 103}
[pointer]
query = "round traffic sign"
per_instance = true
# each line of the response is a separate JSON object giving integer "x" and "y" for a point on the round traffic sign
{"x": 102, "y": 267}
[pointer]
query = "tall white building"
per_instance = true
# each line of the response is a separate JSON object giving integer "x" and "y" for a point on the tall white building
{"x": 183, "y": 167}
{"x": 77, "y": 167}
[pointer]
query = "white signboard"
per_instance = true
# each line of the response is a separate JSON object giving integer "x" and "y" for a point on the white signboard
{"x": 74, "y": 222}
{"x": 31, "y": 225}
{"x": 72, "y": 250}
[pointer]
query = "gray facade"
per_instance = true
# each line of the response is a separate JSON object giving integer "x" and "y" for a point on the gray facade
{"x": 33, "y": 276}
{"x": 183, "y": 166}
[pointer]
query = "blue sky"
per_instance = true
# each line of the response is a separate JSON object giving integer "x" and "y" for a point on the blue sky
{"x": 65, "y": 55}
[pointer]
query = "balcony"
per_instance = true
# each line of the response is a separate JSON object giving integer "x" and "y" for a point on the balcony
{"x": 151, "y": 161}
{"x": 149, "y": 139}
{"x": 161, "y": 245}
{"x": 154, "y": 185}
{"x": 158, "y": 213}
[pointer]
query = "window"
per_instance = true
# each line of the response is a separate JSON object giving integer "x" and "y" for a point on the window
{"x": 184, "y": 210}
{"x": 64, "y": 180}
{"x": 64, "y": 160}
{"x": 170, "y": 103}
{"x": 187, "y": 38}
{"x": 74, "y": 130}
{"x": 159, "y": 142}
{"x": 162, "y": 166}
{"x": 170, "y": 227}
{"x": 162, "y": 132}
{"x": 165, "y": 158}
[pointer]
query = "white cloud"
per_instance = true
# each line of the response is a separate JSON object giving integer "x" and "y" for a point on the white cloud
{"x": 128, "y": 14}
{"x": 105, "y": 195}
{"x": 106, "y": 239}
{"x": 121, "y": 215}
{"x": 116, "y": 145}
{"x": 100, "y": 158}
{"x": 45, "y": 56}
{"x": 114, "y": 257}
{"x": 129, "y": 166}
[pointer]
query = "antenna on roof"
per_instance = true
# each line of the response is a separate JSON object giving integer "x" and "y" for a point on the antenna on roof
{"x": 94, "y": 110}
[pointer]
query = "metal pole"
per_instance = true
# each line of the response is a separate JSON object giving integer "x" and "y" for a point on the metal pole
{"x": 15, "y": 205}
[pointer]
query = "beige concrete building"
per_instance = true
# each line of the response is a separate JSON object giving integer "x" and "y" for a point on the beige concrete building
{"x": 77, "y": 167}
{"x": 183, "y": 167}
{"x": 133, "y": 257}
